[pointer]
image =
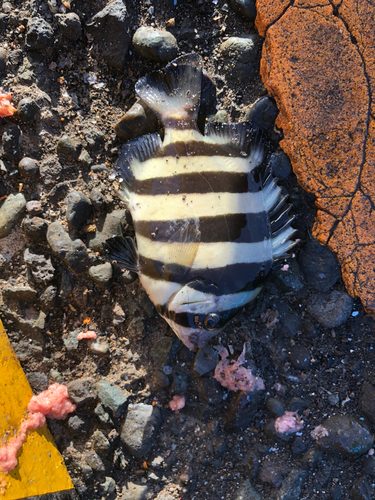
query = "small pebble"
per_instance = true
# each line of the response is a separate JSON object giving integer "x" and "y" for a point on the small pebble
{"x": 155, "y": 44}
{"x": 299, "y": 357}
{"x": 280, "y": 165}
{"x": 245, "y": 8}
{"x": 331, "y": 309}
{"x": 34, "y": 207}
{"x": 263, "y": 113}
{"x": 39, "y": 35}
{"x": 11, "y": 142}
{"x": 69, "y": 26}
{"x": 28, "y": 110}
{"x": 78, "y": 209}
{"x": 11, "y": 211}
{"x": 28, "y": 167}
{"x": 67, "y": 146}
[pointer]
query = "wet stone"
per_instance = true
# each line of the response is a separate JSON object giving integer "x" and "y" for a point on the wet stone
{"x": 11, "y": 142}
{"x": 155, "y": 44}
{"x": 38, "y": 381}
{"x": 263, "y": 113}
{"x": 299, "y": 446}
{"x": 139, "y": 120}
{"x": 280, "y": 165}
{"x": 11, "y": 211}
{"x": 35, "y": 228}
{"x": 34, "y": 207}
{"x": 311, "y": 459}
{"x": 80, "y": 424}
{"x": 245, "y": 8}
{"x": 73, "y": 252}
{"x": 110, "y": 28}
{"x": 275, "y": 406}
{"x": 206, "y": 360}
{"x": 100, "y": 443}
{"x": 67, "y": 146}
{"x": 101, "y": 274}
{"x": 331, "y": 309}
{"x": 241, "y": 56}
{"x": 69, "y": 26}
{"x": 39, "y": 35}
{"x": 344, "y": 434}
{"x": 300, "y": 357}
{"x": 291, "y": 279}
{"x": 292, "y": 485}
{"x": 271, "y": 473}
{"x": 361, "y": 490}
{"x": 336, "y": 493}
{"x": 368, "y": 402}
{"x": 297, "y": 405}
{"x": 80, "y": 392}
{"x": 242, "y": 410}
{"x": 139, "y": 430}
{"x": 28, "y": 110}
{"x": 78, "y": 209}
{"x": 369, "y": 466}
{"x": 111, "y": 397}
{"x": 319, "y": 266}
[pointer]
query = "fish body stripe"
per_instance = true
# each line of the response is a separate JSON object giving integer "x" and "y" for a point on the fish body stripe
{"x": 240, "y": 228}
{"x": 201, "y": 147}
{"x": 230, "y": 279}
{"x": 197, "y": 182}
{"x": 195, "y": 205}
{"x": 208, "y": 255}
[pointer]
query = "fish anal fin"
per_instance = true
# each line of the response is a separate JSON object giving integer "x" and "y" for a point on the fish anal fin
{"x": 123, "y": 251}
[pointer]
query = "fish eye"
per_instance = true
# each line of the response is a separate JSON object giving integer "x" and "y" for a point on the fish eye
{"x": 211, "y": 321}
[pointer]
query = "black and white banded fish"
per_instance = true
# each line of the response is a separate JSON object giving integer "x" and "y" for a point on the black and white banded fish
{"x": 208, "y": 226}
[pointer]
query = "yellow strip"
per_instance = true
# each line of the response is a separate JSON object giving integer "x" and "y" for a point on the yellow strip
{"x": 40, "y": 467}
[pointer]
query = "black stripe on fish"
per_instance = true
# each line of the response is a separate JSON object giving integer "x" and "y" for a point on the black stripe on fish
{"x": 198, "y": 182}
{"x": 226, "y": 280}
{"x": 239, "y": 228}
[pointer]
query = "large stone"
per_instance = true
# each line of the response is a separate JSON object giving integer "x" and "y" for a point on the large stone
{"x": 10, "y": 213}
{"x": 318, "y": 65}
{"x": 72, "y": 252}
{"x": 155, "y": 44}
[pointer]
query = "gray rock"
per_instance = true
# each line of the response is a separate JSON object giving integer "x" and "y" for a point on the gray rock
{"x": 245, "y": 8}
{"x": 85, "y": 158}
{"x": 331, "y": 309}
{"x": 280, "y": 165}
{"x": 241, "y": 56}
{"x": 50, "y": 170}
{"x": 38, "y": 381}
{"x": 94, "y": 461}
{"x": 108, "y": 225}
{"x": 101, "y": 167}
{"x": 275, "y": 406}
{"x": 72, "y": 252}
{"x": 242, "y": 410}
{"x": 139, "y": 430}
{"x": 361, "y": 490}
{"x": 100, "y": 443}
{"x": 11, "y": 142}
{"x": 41, "y": 267}
{"x": 139, "y": 120}
{"x": 3, "y": 22}
{"x": 319, "y": 266}
{"x": 297, "y": 405}
{"x": 290, "y": 280}
{"x": 97, "y": 200}
{"x": 101, "y": 274}
{"x": 94, "y": 137}
{"x": 66, "y": 285}
{"x": 111, "y": 397}
{"x": 67, "y": 146}
{"x": 78, "y": 209}
{"x": 35, "y": 228}
{"x": 48, "y": 297}
{"x": 247, "y": 492}
{"x": 69, "y": 26}
{"x": 368, "y": 402}
{"x": 110, "y": 29}
{"x": 26, "y": 351}
{"x": 109, "y": 486}
{"x": 180, "y": 382}
{"x": 211, "y": 391}
{"x": 39, "y": 35}
{"x": 344, "y": 434}
{"x": 28, "y": 110}
{"x": 34, "y": 207}
{"x": 134, "y": 491}
{"x": 292, "y": 485}
{"x": 299, "y": 446}
{"x": 155, "y": 44}
{"x": 80, "y": 391}
{"x": 71, "y": 342}
{"x": 137, "y": 328}
{"x": 80, "y": 424}
{"x": 205, "y": 360}
{"x": 300, "y": 357}
{"x": 16, "y": 57}
{"x": 262, "y": 114}
{"x": 3, "y": 61}
{"x": 271, "y": 473}
{"x": 102, "y": 415}
{"x": 99, "y": 347}
{"x": 11, "y": 211}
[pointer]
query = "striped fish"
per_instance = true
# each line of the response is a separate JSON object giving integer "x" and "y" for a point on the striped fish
{"x": 208, "y": 224}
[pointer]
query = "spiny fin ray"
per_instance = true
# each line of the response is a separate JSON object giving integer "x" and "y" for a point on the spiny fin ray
{"x": 123, "y": 251}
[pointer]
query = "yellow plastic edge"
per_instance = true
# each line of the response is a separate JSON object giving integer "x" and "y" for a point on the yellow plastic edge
{"x": 41, "y": 468}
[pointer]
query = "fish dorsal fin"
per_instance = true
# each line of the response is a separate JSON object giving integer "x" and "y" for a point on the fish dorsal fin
{"x": 132, "y": 153}
{"x": 183, "y": 244}
{"x": 174, "y": 92}
{"x": 241, "y": 136}
{"x": 123, "y": 251}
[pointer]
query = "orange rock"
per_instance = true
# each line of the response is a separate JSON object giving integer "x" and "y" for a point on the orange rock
{"x": 318, "y": 62}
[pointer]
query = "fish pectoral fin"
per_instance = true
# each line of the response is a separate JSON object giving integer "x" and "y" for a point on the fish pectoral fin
{"x": 123, "y": 251}
{"x": 183, "y": 245}
{"x": 174, "y": 92}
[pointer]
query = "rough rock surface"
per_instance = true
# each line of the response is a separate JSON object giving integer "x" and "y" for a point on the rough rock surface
{"x": 318, "y": 63}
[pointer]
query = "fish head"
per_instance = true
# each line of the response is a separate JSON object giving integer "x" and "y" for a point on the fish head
{"x": 195, "y": 315}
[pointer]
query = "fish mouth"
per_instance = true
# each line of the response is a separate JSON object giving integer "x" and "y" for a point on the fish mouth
{"x": 192, "y": 338}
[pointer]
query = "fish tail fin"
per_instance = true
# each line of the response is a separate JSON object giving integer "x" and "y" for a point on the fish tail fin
{"x": 174, "y": 92}
{"x": 123, "y": 251}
